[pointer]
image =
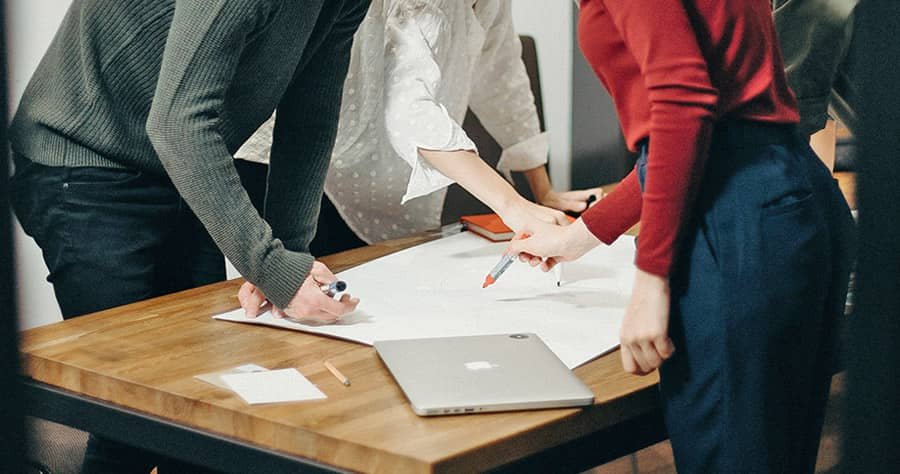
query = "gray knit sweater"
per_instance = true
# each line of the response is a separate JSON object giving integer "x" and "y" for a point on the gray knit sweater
{"x": 176, "y": 86}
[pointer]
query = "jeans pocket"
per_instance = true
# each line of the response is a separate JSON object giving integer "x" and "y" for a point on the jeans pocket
{"x": 100, "y": 186}
{"x": 101, "y": 177}
{"x": 793, "y": 201}
{"x": 792, "y": 236}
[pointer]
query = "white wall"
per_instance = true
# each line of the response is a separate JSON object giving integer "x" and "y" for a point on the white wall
{"x": 32, "y": 23}
{"x": 550, "y": 23}
{"x": 30, "y": 27}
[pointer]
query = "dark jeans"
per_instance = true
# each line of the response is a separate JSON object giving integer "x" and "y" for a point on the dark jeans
{"x": 757, "y": 289}
{"x": 111, "y": 237}
{"x": 333, "y": 235}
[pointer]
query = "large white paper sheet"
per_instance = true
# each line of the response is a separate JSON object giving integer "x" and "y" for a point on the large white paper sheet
{"x": 434, "y": 290}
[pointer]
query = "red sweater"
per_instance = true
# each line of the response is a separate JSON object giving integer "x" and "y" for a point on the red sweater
{"x": 674, "y": 67}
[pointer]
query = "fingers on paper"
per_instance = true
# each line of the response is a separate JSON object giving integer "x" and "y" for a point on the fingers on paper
{"x": 312, "y": 304}
{"x": 322, "y": 273}
{"x": 252, "y": 300}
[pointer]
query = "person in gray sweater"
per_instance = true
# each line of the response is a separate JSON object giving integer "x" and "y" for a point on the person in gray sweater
{"x": 123, "y": 146}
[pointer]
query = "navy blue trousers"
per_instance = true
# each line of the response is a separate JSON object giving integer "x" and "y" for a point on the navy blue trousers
{"x": 758, "y": 286}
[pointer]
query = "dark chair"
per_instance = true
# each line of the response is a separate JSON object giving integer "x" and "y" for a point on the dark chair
{"x": 459, "y": 202}
{"x": 54, "y": 448}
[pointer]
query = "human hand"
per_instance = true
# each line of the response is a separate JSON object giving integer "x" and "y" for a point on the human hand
{"x": 309, "y": 303}
{"x": 547, "y": 244}
{"x": 523, "y": 214}
{"x": 572, "y": 201}
{"x": 253, "y": 301}
{"x": 644, "y": 336}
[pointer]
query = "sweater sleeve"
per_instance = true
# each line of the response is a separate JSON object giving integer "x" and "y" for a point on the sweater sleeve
{"x": 658, "y": 33}
{"x": 304, "y": 135}
{"x": 617, "y": 212}
{"x": 205, "y": 42}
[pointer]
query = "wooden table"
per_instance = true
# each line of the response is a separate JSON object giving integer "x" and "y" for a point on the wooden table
{"x": 128, "y": 374}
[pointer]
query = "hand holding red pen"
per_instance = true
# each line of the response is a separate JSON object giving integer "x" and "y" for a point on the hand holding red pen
{"x": 501, "y": 266}
{"x": 546, "y": 245}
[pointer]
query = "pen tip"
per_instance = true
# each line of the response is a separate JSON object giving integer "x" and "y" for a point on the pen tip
{"x": 488, "y": 281}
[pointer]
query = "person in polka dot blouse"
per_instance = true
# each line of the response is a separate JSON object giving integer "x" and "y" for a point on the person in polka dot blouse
{"x": 416, "y": 66}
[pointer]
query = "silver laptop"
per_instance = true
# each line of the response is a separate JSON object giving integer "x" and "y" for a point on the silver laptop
{"x": 471, "y": 374}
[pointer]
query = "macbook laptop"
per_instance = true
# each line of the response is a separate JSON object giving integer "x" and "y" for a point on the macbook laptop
{"x": 471, "y": 374}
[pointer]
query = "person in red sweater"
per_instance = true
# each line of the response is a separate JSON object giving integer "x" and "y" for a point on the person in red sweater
{"x": 745, "y": 241}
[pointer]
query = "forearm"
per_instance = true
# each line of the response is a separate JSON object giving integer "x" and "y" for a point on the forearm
{"x": 472, "y": 173}
{"x": 616, "y": 212}
{"x": 304, "y": 136}
{"x": 538, "y": 181}
{"x": 183, "y": 124}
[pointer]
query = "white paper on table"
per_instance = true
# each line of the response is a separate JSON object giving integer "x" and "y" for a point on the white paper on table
{"x": 273, "y": 386}
{"x": 434, "y": 290}
{"x": 215, "y": 378}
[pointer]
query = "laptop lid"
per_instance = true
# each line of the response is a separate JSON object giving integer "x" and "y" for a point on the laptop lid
{"x": 471, "y": 374}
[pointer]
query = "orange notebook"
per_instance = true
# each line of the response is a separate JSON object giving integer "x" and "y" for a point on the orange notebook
{"x": 489, "y": 226}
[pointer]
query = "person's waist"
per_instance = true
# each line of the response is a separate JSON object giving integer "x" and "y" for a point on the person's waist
{"x": 730, "y": 133}
{"x": 46, "y": 146}
{"x": 739, "y": 132}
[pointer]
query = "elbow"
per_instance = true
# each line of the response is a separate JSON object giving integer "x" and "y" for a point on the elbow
{"x": 396, "y": 118}
{"x": 160, "y": 132}
{"x": 172, "y": 134}
{"x": 687, "y": 101}
{"x": 686, "y": 87}
{"x": 398, "y": 124}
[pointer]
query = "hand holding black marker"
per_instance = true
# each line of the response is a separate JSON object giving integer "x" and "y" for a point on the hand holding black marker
{"x": 333, "y": 288}
{"x": 590, "y": 200}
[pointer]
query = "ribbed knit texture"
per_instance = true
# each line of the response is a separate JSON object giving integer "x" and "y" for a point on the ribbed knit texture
{"x": 175, "y": 88}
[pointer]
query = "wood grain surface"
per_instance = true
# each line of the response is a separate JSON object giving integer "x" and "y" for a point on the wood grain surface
{"x": 144, "y": 356}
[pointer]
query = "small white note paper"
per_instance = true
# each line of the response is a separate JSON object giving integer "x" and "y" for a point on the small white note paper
{"x": 215, "y": 378}
{"x": 273, "y": 386}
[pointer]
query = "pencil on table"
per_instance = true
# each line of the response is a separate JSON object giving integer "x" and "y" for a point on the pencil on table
{"x": 337, "y": 373}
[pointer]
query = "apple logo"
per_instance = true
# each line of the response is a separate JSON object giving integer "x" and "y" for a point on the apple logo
{"x": 480, "y": 365}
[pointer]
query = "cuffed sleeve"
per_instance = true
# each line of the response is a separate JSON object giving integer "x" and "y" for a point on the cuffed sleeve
{"x": 414, "y": 117}
{"x": 525, "y": 155}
